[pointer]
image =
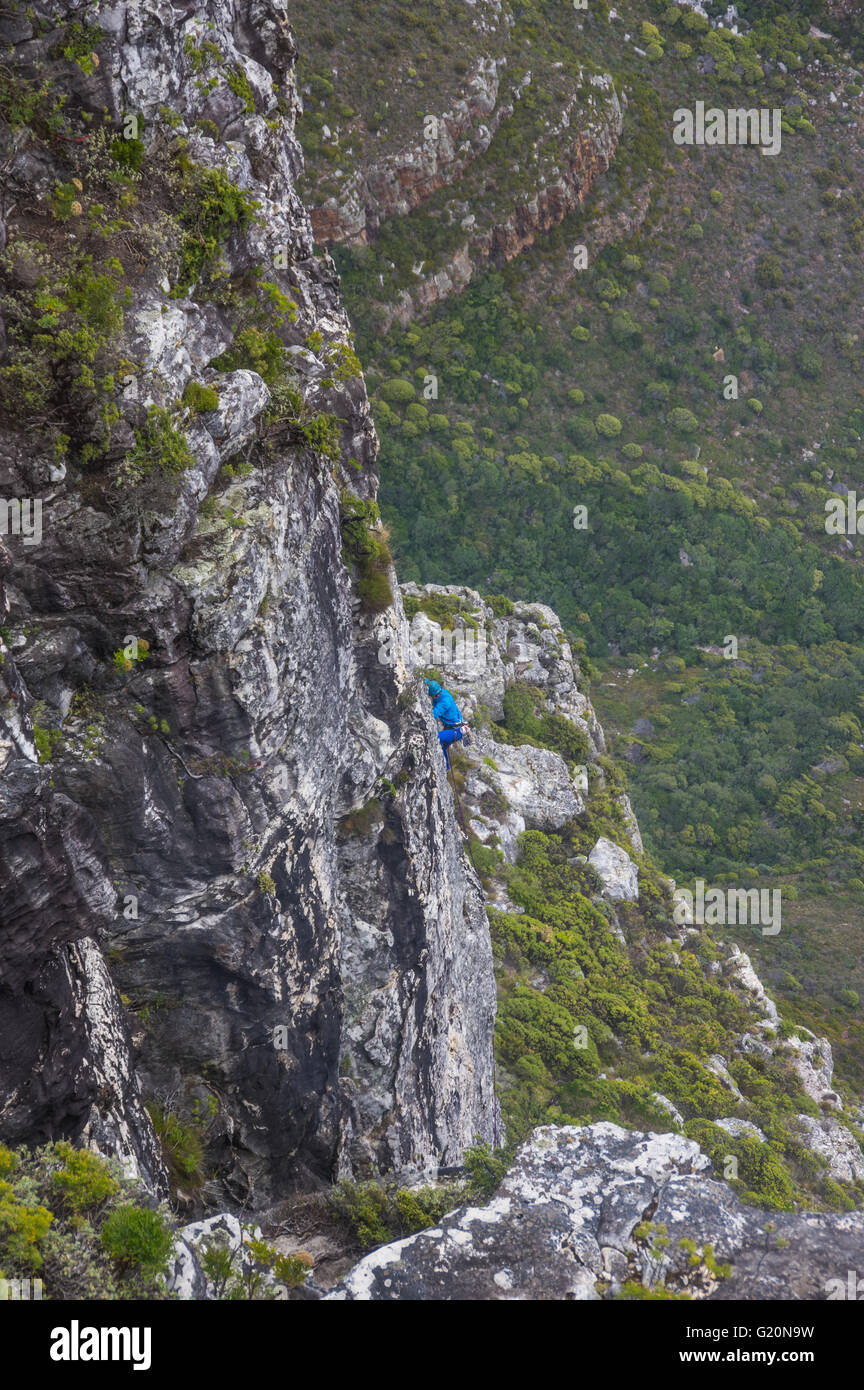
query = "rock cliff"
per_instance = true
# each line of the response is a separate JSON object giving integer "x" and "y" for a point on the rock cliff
{"x": 193, "y": 702}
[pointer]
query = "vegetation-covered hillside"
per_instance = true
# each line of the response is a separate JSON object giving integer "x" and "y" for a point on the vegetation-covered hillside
{"x": 611, "y": 388}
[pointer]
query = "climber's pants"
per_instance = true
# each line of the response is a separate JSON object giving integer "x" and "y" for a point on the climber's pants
{"x": 445, "y": 738}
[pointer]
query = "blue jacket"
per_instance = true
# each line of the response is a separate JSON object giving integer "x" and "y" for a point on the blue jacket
{"x": 446, "y": 709}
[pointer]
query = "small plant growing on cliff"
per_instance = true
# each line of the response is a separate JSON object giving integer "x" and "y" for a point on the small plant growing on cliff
{"x": 159, "y": 448}
{"x": 239, "y": 84}
{"x": 211, "y": 208}
{"x": 127, "y": 658}
{"x": 200, "y": 399}
{"x": 486, "y": 1168}
{"x": 364, "y": 545}
{"x": 377, "y": 1214}
{"x": 46, "y": 741}
{"x": 182, "y": 1146}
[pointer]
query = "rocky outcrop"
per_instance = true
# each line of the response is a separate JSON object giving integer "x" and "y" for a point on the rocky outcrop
{"x": 323, "y": 995}
{"x": 617, "y": 872}
{"x": 404, "y": 179}
{"x": 584, "y": 140}
{"x": 590, "y": 1213}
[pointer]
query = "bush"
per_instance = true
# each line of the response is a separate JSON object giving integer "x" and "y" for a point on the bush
{"x": 808, "y": 363}
{"x": 23, "y": 1227}
{"x": 377, "y": 1214}
{"x": 581, "y": 430}
{"x": 256, "y": 350}
{"x": 397, "y": 391}
{"x": 486, "y": 1168}
{"x": 501, "y": 606}
{"x": 159, "y": 447}
{"x": 84, "y": 1181}
{"x": 137, "y": 1238}
{"x": 608, "y": 425}
{"x": 211, "y": 207}
{"x": 182, "y": 1147}
{"x": 684, "y": 421}
{"x": 769, "y": 272}
{"x": 525, "y": 720}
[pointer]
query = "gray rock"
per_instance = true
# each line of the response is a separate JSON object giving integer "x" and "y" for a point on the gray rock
{"x": 738, "y": 1127}
{"x": 833, "y": 1142}
{"x": 616, "y": 869}
{"x": 574, "y": 1218}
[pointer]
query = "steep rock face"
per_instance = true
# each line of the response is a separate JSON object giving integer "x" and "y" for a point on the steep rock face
{"x": 580, "y": 1215}
{"x": 188, "y": 806}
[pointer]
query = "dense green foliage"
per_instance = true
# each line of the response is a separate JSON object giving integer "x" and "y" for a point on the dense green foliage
{"x": 71, "y": 1219}
{"x": 590, "y": 1029}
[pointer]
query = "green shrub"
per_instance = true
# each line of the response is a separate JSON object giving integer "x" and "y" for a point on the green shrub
{"x": 397, "y": 391}
{"x": 377, "y": 1214}
{"x": 138, "y": 1239}
{"x": 23, "y": 1228}
{"x": 525, "y": 720}
{"x": 159, "y": 447}
{"x": 501, "y": 606}
{"x": 684, "y": 421}
{"x": 239, "y": 85}
{"x": 84, "y": 1181}
{"x": 486, "y": 1168}
{"x": 808, "y": 363}
{"x": 256, "y": 350}
{"x": 608, "y": 425}
{"x": 211, "y": 208}
{"x": 769, "y": 272}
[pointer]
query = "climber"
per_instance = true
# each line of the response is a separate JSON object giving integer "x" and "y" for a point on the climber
{"x": 447, "y": 712}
